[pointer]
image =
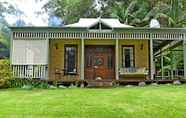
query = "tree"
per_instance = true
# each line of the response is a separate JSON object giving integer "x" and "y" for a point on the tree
{"x": 131, "y": 12}
{"x": 5, "y": 8}
{"x": 70, "y": 10}
{"x": 170, "y": 13}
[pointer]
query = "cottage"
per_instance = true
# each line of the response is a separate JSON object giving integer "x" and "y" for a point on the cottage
{"x": 91, "y": 49}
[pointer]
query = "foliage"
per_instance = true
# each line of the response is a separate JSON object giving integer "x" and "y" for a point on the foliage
{"x": 170, "y": 13}
{"x": 70, "y": 10}
{"x": 5, "y": 73}
{"x": 131, "y": 12}
{"x": 5, "y": 8}
{"x": 172, "y": 60}
{"x": 28, "y": 84}
{"x": 4, "y": 39}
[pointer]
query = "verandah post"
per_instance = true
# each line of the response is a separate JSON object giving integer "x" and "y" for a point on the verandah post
{"x": 117, "y": 58}
{"x": 184, "y": 55}
{"x": 82, "y": 59}
{"x": 172, "y": 62}
{"x": 48, "y": 57}
{"x": 162, "y": 68}
{"x": 151, "y": 58}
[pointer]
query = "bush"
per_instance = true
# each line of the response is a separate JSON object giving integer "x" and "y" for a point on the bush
{"x": 28, "y": 83}
{"x": 5, "y": 73}
{"x": 42, "y": 85}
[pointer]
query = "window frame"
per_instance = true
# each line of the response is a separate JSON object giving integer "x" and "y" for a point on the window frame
{"x": 65, "y": 59}
{"x": 128, "y": 46}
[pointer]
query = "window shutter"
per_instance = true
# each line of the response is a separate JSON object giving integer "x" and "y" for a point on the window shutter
{"x": 29, "y": 52}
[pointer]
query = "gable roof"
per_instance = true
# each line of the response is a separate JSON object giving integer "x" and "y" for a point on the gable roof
{"x": 90, "y": 22}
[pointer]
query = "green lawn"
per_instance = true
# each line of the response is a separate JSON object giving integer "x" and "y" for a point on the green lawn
{"x": 137, "y": 102}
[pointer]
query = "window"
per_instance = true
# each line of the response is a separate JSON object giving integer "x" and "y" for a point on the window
{"x": 110, "y": 61}
{"x": 70, "y": 59}
{"x": 88, "y": 60}
{"x": 128, "y": 56}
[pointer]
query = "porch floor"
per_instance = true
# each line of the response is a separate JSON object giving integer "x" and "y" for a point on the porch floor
{"x": 109, "y": 83}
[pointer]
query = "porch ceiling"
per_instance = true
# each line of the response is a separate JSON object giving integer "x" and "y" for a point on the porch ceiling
{"x": 158, "y": 44}
{"x": 164, "y": 45}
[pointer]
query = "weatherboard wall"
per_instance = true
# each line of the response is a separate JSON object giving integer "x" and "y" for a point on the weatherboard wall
{"x": 56, "y": 56}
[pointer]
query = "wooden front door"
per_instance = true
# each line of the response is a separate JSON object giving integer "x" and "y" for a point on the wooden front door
{"x": 99, "y": 62}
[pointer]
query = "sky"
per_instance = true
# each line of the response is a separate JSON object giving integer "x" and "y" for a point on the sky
{"x": 29, "y": 7}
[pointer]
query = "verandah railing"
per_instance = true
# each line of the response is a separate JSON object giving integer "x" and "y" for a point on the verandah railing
{"x": 30, "y": 71}
{"x": 99, "y": 35}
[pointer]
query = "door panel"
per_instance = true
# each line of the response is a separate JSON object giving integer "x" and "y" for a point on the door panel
{"x": 99, "y": 62}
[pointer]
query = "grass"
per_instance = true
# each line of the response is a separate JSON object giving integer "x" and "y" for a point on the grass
{"x": 137, "y": 102}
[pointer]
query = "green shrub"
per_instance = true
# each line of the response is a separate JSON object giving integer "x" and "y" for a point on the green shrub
{"x": 5, "y": 73}
{"x": 44, "y": 85}
{"x": 28, "y": 87}
{"x": 28, "y": 83}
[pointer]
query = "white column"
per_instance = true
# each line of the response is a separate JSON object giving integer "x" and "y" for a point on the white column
{"x": 117, "y": 59}
{"x": 48, "y": 56}
{"x": 172, "y": 73}
{"x": 11, "y": 46}
{"x": 82, "y": 59}
{"x": 184, "y": 55}
{"x": 151, "y": 58}
{"x": 162, "y": 70}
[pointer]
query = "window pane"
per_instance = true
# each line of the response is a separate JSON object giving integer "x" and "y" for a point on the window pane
{"x": 88, "y": 61}
{"x": 70, "y": 59}
{"x": 128, "y": 58}
{"x": 110, "y": 61}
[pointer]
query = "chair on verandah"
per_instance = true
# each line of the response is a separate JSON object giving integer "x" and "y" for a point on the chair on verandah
{"x": 59, "y": 73}
{"x": 133, "y": 73}
{"x": 62, "y": 74}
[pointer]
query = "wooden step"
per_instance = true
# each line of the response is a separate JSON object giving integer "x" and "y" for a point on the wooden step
{"x": 100, "y": 83}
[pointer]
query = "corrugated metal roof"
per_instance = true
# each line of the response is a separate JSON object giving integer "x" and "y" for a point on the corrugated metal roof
{"x": 89, "y": 22}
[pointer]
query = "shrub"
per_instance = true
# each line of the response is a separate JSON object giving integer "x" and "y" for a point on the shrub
{"x": 28, "y": 83}
{"x": 5, "y": 73}
{"x": 42, "y": 85}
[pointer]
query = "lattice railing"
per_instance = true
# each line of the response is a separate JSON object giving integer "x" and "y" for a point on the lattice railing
{"x": 168, "y": 36}
{"x": 99, "y": 35}
{"x": 28, "y": 35}
{"x": 29, "y": 71}
{"x": 134, "y": 36}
